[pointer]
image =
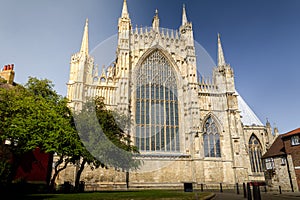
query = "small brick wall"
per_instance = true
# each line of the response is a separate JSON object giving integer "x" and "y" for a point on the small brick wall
{"x": 294, "y": 151}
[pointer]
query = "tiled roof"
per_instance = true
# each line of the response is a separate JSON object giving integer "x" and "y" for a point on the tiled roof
{"x": 293, "y": 132}
{"x": 276, "y": 149}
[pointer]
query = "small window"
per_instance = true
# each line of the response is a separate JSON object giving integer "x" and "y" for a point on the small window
{"x": 269, "y": 163}
{"x": 282, "y": 160}
{"x": 295, "y": 140}
{"x": 95, "y": 79}
{"x": 102, "y": 79}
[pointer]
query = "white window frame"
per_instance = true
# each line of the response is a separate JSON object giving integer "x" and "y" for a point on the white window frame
{"x": 269, "y": 162}
{"x": 295, "y": 140}
{"x": 283, "y": 161}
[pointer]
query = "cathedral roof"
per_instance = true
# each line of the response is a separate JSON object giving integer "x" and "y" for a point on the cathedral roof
{"x": 248, "y": 116}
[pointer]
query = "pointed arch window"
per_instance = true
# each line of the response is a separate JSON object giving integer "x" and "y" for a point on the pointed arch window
{"x": 95, "y": 80}
{"x": 102, "y": 79}
{"x": 211, "y": 139}
{"x": 156, "y": 113}
{"x": 255, "y": 152}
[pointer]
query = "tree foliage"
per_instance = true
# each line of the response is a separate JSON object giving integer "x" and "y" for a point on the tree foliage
{"x": 34, "y": 115}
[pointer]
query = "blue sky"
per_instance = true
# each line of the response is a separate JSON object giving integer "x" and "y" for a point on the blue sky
{"x": 260, "y": 40}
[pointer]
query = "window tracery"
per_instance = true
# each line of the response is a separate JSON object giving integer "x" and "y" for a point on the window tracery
{"x": 211, "y": 139}
{"x": 156, "y": 117}
{"x": 255, "y": 153}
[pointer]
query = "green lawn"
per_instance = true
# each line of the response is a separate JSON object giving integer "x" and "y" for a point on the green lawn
{"x": 122, "y": 195}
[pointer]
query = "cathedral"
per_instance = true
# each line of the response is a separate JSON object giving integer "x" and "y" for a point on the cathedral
{"x": 187, "y": 129}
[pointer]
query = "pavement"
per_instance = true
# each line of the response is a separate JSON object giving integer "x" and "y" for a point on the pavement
{"x": 264, "y": 196}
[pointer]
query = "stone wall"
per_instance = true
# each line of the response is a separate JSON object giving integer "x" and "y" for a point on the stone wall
{"x": 156, "y": 173}
{"x": 279, "y": 176}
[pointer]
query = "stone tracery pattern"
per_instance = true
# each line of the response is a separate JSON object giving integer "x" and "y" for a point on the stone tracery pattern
{"x": 157, "y": 126}
{"x": 255, "y": 153}
{"x": 211, "y": 139}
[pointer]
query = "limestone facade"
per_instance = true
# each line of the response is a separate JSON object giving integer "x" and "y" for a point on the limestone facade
{"x": 188, "y": 129}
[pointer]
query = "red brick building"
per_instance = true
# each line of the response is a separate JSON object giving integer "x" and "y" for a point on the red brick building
{"x": 35, "y": 166}
{"x": 282, "y": 162}
{"x": 292, "y": 147}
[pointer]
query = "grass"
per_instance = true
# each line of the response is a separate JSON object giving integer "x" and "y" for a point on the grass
{"x": 122, "y": 195}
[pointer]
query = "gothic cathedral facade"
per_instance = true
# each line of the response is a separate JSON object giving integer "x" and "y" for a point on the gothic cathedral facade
{"x": 186, "y": 129}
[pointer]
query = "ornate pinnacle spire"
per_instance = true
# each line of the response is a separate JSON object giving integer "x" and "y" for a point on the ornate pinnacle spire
{"x": 125, "y": 10}
{"x": 96, "y": 71}
{"x": 155, "y": 21}
{"x": 85, "y": 39}
{"x": 221, "y": 59}
{"x": 184, "y": 18}
{"x": 103, "y": 74}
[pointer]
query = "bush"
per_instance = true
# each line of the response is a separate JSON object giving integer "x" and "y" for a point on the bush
{"x": 5, "y": 171}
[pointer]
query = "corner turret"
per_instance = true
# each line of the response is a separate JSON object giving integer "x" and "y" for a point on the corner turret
{"x": 223, "y": 74}
{"x": 81, "y": 68}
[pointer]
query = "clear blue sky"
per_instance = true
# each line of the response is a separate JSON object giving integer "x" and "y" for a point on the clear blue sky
{"x": 260, "y": 40}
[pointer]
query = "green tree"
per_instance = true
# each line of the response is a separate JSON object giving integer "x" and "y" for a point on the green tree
{"x": 63, "y": 141}
{"x": 34, "y": 115}
{"x": 15, "y": 103}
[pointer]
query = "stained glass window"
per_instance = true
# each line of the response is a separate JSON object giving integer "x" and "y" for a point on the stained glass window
{"x": 295, "y": 140}
{"x": 156, "y": 105}
{"x": 255, "y": 154}
{"x": 211, "y": 139}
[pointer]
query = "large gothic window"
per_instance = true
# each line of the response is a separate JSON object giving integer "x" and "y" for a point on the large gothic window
{"x": 156, "y": 117}
{"x": 211, "y": 139}
{"x": 255, "y": 154}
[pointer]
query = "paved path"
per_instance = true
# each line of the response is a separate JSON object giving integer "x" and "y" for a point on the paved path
{"x": 264, "y": 196}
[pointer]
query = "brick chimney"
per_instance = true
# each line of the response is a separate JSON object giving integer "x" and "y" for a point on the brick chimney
{"x": 8, "y": 73}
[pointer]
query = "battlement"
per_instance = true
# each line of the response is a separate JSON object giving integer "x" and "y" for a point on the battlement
{"x": 206, "y": 85}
